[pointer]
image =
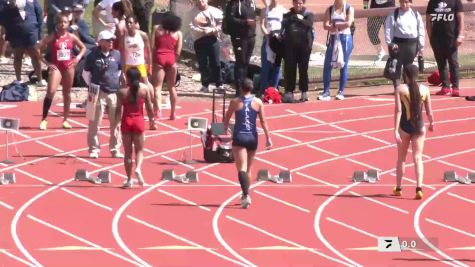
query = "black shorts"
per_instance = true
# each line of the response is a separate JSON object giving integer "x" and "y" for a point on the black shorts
{"x": 248, "y": 141}
{"x": 407, "y": 127}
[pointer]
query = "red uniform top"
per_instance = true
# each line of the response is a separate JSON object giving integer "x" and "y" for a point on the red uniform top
{"x": 132, "y": 116}
{"x": 62, "y": 51}
{"x": 165, "y": 50}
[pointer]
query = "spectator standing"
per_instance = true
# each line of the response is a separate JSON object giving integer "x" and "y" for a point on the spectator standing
{"x": 240, "y": 19}
{"x": 3, "y": 46}
{"x": 55, "y": 7}
{"x": 23, "y": 21}
{"x": 205, "y": 28}
{"x": 405, "y": 36}
{"x": 298, "y": 36}
{"x": 374, "y": 24}
{"x": 80, "y": 27}
{"x": 103, "y": 72}
{"x": 271, "y": 26}
{"x": 338, "y": 19}
{"x": 445, "y": 28}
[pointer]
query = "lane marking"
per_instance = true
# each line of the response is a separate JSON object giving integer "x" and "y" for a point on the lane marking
{"x": 462, "y": 198}
{"x": 184, "y": 240}
{"x": 5, "y": 205}
{"x": 4, "y": 251}
{"x": 108, "y": 251}
{"x": 286, "y": 240}
{"x": 282, "y": 201}
{"x": 451, "y": 228}
{"x": 420, "y": 234}
{"x": 86, "y": 199}
{"x": 184, "y": 200}
{"x": 380, "y": 203}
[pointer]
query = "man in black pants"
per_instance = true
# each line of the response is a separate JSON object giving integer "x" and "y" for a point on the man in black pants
{"x": 240, "y": 16}
{"x": 445, "y": 25}
{"x": 298, "y": 40}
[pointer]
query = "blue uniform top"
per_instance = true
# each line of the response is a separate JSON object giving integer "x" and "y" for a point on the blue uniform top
{"x": 246, "y": 118}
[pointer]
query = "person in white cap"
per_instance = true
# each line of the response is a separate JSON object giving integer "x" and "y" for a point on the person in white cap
{"x": 102, "y": 72}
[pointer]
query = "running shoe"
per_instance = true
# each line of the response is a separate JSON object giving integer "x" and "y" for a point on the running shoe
{"x": 419, "y": 195}
{"x": 138, "y": 175}
{"x": 127, "y": 184}
{"x": 444, "y": 91}
{"x": 397, "y": 191}
{"x": 245, "y": 201}
{"x": 66, "y": 125}
{"x": 324, "y": 97}
{"x": 43, "y": 125}
{"x": 340, "y": 96}
{"x": 455, "y": 92}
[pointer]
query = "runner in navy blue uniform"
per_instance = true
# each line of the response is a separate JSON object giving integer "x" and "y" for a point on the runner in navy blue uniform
{"x": 246, "y": 109}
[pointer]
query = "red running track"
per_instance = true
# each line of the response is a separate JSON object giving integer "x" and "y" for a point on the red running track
{"x": 321, "y": 219}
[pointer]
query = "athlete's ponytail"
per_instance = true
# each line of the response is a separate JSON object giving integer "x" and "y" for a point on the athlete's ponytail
{"x": 133, "y": 77}
{"x": 411, "y": 72}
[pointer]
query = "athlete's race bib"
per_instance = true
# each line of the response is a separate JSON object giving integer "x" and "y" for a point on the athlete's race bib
{"x": 64, "y": 55}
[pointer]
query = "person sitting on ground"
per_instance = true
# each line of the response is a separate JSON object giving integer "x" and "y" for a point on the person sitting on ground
{"x": 130, "y": 102}
{"x": 409, "y": 126}
{"x": 246, "y": 108}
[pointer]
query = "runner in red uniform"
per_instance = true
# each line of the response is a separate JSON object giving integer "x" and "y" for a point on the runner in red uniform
{"x": 130, "y": 102}
{"x": 61, "y": 68}
{"x": 166, "y": 42}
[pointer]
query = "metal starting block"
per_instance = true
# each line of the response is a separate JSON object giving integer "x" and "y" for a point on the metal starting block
{"x": 188, "y": 177}
{"x": 103, "y": 177}
{"x": 371, "y": 176}
{"x": 283, "y": 177}
{"x": 452, "y": 176}
{"x": 7, "y": 178}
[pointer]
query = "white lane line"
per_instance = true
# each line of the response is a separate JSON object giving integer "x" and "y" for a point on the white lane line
{"x": 323, "y": 150}
{"x": 34, "y": 176}
{"x": 317, "y": 180}
{"x": 183, "y": 200}
{"x": 456, "y": 166}
{"x": 318, "y": 230}
{"x": 118, "y": 215}
{"x": 430, "y": 186}
{"x": 86, "y": 199}
{"x": 451, "y": 228}
{"x": 286, "y": 137}
{"x": 352, "y": 227}
{"x": 178, "y": 162}
{"x": 271, "y": 163}
{"x": 185, "y": 240}
{"x": 29, "y": 139}
{"x": 217, "y": 232}
{"x": 363, "y": 164}
{"x": 54, "y": 227}
{"x": 461, "y": 198}
{"x": 286, "y": 240}
{"x": 4, "y": 251}
{"x": 85, "y": 161}
{"x": 50, "y": 146}
{"x": 5, "y": 205}
{"x": 380, "y": 203}
{"x": 221, "y": 178}
{"x": 374, "y": 236}
{"x": 282, "y": 201}
{"x": 420, "y": 234}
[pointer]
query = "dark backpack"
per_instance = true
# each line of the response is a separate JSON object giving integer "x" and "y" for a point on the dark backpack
{"x": 15, "y": 91}
{"x": 296, "y": 34}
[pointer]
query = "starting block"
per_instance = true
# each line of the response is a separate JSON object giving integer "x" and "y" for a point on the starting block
{"x": 103, "y": 177}
{"x": 371, "y": 176}
{"x": 188, "y": 177}
{"x": 452, "y": 176}
{"x": 7, "y": 178}
{"x": 283, "y": 177}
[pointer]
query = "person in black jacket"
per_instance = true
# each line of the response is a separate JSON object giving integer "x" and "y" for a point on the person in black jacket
{"x": 80, "y": 26}
{"x": 298, "y": 36}
{"x": 241, "y": 19}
